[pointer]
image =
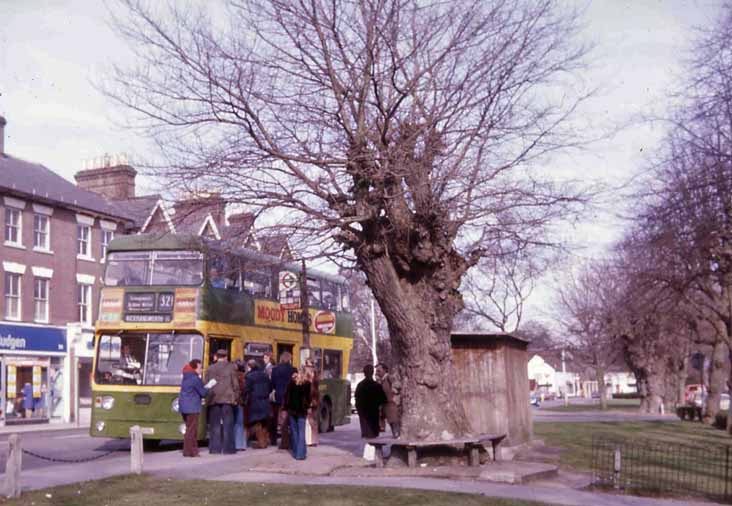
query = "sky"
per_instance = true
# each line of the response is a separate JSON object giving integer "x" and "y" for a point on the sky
{"x": 52, "y": 51}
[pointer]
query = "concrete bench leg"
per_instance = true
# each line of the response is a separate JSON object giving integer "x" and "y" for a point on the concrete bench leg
{"x": 473, "y": 455}
{"x": 411, "y": 456}
{"x": 379, "y": 455}
{"x": 496, "y": 450}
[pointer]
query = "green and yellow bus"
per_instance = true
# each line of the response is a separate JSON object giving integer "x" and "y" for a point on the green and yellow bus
{"x": 168, "y": 299}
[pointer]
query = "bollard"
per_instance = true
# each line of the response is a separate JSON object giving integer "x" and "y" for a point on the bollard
{"x": 136, "y": 450}
{"x": 616, "y": 468}
{"x": 12, "y": 467}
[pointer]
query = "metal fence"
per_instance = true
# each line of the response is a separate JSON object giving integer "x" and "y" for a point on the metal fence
{"x": 664, "y": 469}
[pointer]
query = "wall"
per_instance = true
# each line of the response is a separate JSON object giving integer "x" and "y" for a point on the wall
{"x": 63, "y": 261}
{"x": 494, "y": 384}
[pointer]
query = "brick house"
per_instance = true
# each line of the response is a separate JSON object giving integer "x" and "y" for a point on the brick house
{"x": 52, "y": 259}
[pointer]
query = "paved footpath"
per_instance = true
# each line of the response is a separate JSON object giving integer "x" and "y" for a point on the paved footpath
{"x": 326, "y": 465}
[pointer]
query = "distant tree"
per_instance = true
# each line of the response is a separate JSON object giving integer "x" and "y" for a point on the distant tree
{"x": 361, "y": 300}
{"x": 539, "y": 335}
{"x": 585, "y": 310}
{"x": 403, "y": 134}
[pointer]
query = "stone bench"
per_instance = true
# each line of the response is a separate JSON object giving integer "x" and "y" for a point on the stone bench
{"x": 472, "y": 447}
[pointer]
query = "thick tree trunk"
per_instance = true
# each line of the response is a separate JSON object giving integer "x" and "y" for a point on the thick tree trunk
{"x": 717, "y": 380}
{"x": 420, "y": 317}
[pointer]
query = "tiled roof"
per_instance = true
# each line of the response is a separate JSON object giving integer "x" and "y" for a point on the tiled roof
{"x": 138, "y": 208}
{"x": 36, "y": 180}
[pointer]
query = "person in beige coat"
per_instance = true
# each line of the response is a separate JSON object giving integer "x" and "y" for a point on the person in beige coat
{"x": 390, "y": 410}
{"x": 222, "y": 399}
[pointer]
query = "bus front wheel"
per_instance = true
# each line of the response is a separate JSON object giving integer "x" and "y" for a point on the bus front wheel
{"x": 324, "y": 422}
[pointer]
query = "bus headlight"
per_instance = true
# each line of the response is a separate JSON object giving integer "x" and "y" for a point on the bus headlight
{"x": 107, "y": 402}
{"x": 175, "y": 405}
{"x": 182, "y": 429}
{"x": 100, "y": 426}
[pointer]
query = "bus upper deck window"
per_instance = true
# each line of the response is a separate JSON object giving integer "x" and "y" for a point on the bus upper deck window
{"x": 314, "y": 299}
{"x": 127, "y": 268}
{"x": 330, "y": 295}
{"x": 177, "y": 268}
{"x": 345, "y": 300}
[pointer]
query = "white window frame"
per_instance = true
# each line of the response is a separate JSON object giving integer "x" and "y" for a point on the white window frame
{"x": 7, "y": 275}
{"x": 18, "y": 243}
{"x": 105, "y": 243}
{"x": 84, "y": 255}
{"x": 46, "y": 247}
{"x": 46, "y": 283}
{"x": 84, "y": 293}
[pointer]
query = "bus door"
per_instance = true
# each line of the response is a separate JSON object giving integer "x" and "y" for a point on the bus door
{"x": 218, "y": 343}
{"x": 283, "y": 347}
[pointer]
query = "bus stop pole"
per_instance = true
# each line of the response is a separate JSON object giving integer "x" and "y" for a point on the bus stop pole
{"x": 304, "y": 304}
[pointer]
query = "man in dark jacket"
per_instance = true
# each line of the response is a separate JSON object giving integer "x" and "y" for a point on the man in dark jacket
{"x": 222, "y": 401}
{"x": 369, "y": 399}
{"x": 189, "y": 405}
{"x": 256, "y": 399}
{"x": 281, "y": 375}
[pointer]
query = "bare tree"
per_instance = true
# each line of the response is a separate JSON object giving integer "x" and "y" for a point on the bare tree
{"x": 404, "y": 134}
{"x": 496, "y": 289}
{"x": 363, "y": 343}
{"x": 585, "y": 306}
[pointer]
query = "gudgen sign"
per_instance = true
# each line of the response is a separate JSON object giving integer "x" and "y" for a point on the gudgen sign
{"x": 32, "y": 339}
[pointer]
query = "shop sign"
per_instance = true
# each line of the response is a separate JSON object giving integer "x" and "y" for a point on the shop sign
{"x": 325, "y": 322}
{"x": 32, "y": 339}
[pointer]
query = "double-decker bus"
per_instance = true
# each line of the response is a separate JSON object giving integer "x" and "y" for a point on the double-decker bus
{"x": 168, "y": 299}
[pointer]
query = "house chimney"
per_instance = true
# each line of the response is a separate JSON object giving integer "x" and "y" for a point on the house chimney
{"x": 3, "y": 122}
{"x": 116, "y": 182}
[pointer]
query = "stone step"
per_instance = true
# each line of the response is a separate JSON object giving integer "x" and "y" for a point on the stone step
{"x": 517, "y": 472}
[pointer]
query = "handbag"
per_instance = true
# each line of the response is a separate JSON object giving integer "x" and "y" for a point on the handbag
{"x": 308, "y": 433}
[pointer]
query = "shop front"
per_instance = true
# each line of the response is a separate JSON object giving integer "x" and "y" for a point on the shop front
{"x": 32, "y": 372}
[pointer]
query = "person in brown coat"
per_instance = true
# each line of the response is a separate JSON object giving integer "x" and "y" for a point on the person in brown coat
{"x": 222, "y": 401}
{"x": 390, "y": 411}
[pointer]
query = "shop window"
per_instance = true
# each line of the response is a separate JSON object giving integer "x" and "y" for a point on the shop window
{"x": 107, "y": 236}
{"x": 83, "y": 235}
{"x": 12, "y": 296}
{"x": 28, "y": 394}
{"x": 13, "y": 227}
{"x": 332, "y": 360}
{"x": 41, "y": 236}
{"x": 83, "y": 300}
{"x": 40, "y": 300}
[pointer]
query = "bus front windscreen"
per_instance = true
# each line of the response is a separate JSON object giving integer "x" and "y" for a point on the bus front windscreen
{"x": 145, "y": 359}
{"x": 144, "y": 268}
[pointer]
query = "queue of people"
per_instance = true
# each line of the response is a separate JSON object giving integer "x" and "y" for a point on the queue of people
{"x": 258, "y": 401}
{"x": 252, "y": 401}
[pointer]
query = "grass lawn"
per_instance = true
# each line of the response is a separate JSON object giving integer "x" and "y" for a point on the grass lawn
{"x": 612, "y": 405}
{"x": 576, "y": 438}
{"x": 658, "y": 458}
{"x": 146, "y": 490}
